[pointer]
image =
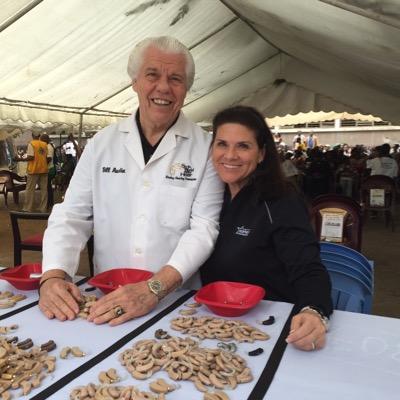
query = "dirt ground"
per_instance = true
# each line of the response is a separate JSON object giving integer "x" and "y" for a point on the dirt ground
{"x": 380, "y": 244}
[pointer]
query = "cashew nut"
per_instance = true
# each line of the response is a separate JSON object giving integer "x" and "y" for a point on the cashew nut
{"x": 77, "y": 352}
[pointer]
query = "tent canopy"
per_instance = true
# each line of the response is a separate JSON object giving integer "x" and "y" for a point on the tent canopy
{"x": 62, "y": 60}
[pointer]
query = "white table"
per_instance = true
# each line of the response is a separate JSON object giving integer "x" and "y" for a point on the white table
{"x": 361, "y": 360}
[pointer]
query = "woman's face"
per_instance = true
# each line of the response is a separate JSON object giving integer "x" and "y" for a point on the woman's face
{"x": 235, "y": 154}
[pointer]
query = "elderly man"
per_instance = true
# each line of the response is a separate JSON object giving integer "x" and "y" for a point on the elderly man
{"x": 147, "y": 190}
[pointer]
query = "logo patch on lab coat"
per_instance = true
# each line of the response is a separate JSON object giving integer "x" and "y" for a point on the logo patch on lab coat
{"x": 242, "y": 231}
{"x": 180, "y": 171}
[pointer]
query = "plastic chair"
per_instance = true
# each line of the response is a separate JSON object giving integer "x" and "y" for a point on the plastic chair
{"x": 32, "y": 243}
{"x": 367, "y": 279}
{"x": 349, "y": 262}
{"x": 345, "y": 251}
{"x": 386, "y": 184}
{"x": 352, "y": 225}
{"x": 11, "y": 183}
{"x": 349, "y": 293}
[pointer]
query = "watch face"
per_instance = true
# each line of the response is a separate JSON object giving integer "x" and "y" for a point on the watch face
{"x": 156, "y": 286}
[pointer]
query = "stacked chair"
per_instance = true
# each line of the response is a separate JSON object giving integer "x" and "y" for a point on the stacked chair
{"x": 352, "y": 230}
{"x": 352, "y": 277}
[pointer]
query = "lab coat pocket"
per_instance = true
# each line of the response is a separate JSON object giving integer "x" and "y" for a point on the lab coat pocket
{"x": 176, "y": 206}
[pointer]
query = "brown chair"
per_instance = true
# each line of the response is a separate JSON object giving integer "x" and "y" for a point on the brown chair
{"x": 34, "y": 242}
{"x": 352, "y": 222}
{"x": 386, "y": 203}
{"x": 10, "y": 182}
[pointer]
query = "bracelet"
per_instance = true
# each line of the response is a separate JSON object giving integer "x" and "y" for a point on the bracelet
{"x": 45, "y": 280}
{"x": 324, "y": 319}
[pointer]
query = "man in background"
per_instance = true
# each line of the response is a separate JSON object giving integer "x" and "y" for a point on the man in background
{"x": 52, "y": 169}
{"x": 37, "y": 171}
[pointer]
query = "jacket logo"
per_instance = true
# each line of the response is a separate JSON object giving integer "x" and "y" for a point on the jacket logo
{"x": 180, "y": 171}
{"x": 242, "y": 231}
{"x": 113, "y": 170}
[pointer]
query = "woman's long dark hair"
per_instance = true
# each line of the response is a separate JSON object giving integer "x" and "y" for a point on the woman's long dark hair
{"x": 268, "y": 177}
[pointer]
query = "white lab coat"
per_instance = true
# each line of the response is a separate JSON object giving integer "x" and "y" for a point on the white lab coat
{"x": 144, "y": 216}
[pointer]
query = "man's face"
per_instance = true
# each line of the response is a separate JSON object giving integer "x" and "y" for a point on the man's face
{"x": 161, "y": 88}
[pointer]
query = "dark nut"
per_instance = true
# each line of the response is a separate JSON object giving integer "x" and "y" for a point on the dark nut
{"x": 256, "y": 352}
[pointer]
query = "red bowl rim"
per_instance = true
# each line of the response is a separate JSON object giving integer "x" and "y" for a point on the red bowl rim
{"x": 11, "y": 278}
{"x": 235, "y": 306}
{"x": 92, "y": 281}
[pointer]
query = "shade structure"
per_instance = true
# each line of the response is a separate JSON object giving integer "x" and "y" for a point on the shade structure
{"x": 65, "y": 62}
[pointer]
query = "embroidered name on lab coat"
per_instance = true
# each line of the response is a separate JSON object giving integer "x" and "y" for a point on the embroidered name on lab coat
{"x": 242, "y": 231}
{"x": 114, "y": 170}
{"x": 180, "y": 171}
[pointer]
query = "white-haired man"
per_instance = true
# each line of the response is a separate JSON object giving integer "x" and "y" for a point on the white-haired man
{"x": 147, "y": 190}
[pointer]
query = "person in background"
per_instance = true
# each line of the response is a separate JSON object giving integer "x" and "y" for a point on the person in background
{"x": 265, "y": 235}
{"x": 299, "y": 145}
{"x": 290, "y": 171}
{"x": 383, "y": 164}
{"x": 299, "y": 140}
{"x": 311, "y": 141}
{"x": 37, "y": 171}
{"x": 52, "y": 169}
{"x": 71, "y": 150}
{"x": 147, "y": 191}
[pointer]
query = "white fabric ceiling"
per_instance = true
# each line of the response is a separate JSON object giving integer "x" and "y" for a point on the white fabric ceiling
{"x": 65, "y": 58}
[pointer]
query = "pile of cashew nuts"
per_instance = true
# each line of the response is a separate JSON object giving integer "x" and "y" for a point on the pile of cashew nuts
{"x": 85, "y": 304}
{"x": 23, "y": 365}
{"x": 9, "y": 299}
{"x": 105, "y": 392}
{"x": 206, "y": 327}
{"x": 184, "y": 359}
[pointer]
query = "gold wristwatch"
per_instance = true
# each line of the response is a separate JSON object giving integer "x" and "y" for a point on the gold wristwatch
{"x": 155, "y": 286}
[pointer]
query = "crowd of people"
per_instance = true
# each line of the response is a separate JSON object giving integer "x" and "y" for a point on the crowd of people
{"x": 318, "y": 169}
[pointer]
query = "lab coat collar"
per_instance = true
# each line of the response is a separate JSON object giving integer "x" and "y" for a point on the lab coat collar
{"x": 134, "y": 146}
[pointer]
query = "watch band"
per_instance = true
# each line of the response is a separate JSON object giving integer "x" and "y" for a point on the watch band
{"x": 324, "y": 319}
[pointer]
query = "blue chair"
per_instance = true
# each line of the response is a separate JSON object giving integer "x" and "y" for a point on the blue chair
{"x": 333, "y": 256}
{"x": 366, "y": 276}
{"x": 349, "y": 293}
{"x": 346, "y": 251}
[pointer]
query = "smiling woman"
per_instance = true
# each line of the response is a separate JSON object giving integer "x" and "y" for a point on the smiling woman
{"x": 265, "y": 235}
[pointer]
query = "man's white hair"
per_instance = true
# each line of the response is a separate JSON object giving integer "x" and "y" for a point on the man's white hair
{"x": 167, "y": 44}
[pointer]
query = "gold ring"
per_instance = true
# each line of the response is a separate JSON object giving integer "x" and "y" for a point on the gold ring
{"x": 118, "y": 311}
{"x": 313, "y": 346}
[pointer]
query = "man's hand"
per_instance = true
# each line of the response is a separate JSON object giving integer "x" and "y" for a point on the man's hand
{"x": 59, "y": 298}
{"x": 135, "y": 299}
{"x": 307, "y": 332}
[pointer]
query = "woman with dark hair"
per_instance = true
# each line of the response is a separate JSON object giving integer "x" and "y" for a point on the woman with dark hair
{"x": 265, "y": 236}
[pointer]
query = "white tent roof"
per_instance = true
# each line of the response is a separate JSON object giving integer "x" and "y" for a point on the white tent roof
{"x": 62, "y": 59}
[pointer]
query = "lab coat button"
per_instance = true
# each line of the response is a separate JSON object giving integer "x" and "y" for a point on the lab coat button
{"x": 138, "y": 251}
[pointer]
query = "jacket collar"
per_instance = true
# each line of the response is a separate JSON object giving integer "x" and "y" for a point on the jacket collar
{"x": 134, "y": 146}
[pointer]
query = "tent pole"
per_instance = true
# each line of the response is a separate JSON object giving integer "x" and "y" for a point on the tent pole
{"x": 80, "y": 129}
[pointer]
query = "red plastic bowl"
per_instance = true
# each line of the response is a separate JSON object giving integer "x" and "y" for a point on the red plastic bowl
{"x": 230, "y": 299}
{"x": 20, "y": 278}
{"x": 114, "y": 278}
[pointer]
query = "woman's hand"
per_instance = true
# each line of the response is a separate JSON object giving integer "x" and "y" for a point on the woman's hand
{"x": 307, "y": 331}
{"x": 134, "y": 300}
{"x": 59, "y": 299}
